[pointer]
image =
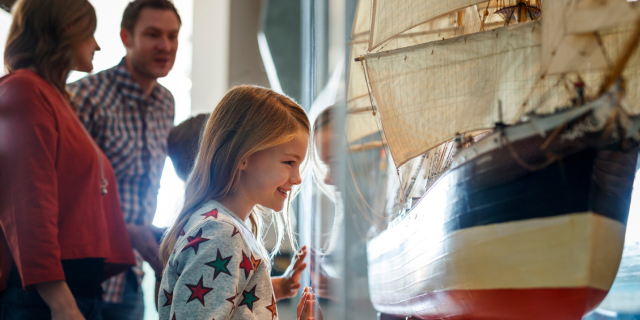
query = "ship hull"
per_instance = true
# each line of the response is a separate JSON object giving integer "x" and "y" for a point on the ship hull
{"x": 513, "y": 232}
{"x": 548, "y": 304}
{"x": 549, "y": 268}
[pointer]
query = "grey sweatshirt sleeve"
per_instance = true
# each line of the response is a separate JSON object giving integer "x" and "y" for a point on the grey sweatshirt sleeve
{"x": 206, "y": 274}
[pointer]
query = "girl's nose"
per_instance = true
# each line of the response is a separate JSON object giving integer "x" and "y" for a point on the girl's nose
{"x": 295, "y": 178}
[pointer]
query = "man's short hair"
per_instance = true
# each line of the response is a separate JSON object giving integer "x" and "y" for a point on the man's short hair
{"x": 132, "y": 12}
{"x": 183, "y": 144}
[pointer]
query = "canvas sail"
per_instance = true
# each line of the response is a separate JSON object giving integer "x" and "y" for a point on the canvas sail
{"x": 362, "y": 20}
{"x": 392, "y": 17}
{"x": 428, "y": 93}
{"x": 568, "y": 33}
{"x": 360, "y": 121}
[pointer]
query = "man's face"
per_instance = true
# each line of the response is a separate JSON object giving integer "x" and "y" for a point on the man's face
{"x": 152, "y": 47}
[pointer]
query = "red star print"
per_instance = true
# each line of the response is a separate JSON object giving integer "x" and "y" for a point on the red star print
{"x": 174, "y": 316}
{"x": 233, "y": 301}
{"x": 272, "y": 308}
{"x": 181, "y": 233}
{"x": 246, "y": 265}
{"x": 212, "y": 213}
{"x": 198, "y": 291}
{"x": 255, "y": 262}
{"x": 235, "y": 231}
{"x": 169, "y": 297}
{"x": 194, "y": 242}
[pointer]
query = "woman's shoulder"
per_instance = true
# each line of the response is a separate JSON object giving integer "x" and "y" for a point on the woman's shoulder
{"x": 28, "y": 90}
{"x": 23, "y": 80}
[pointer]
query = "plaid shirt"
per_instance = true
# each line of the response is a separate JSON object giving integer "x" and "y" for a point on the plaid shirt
{"x": 132, "y": 131}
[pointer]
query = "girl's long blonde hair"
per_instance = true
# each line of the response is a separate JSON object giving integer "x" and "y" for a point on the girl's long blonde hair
{"x": 42, "y": 36}
{"x": 247, "y": 119}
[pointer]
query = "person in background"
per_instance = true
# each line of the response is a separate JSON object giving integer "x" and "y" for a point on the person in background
{"x": 183, "y": 144}
{"x": 62, "y": 231}
{"x": 129, "y": 115}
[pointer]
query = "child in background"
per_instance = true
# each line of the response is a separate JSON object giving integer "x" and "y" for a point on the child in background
{"x": 183, "y": 144}
{"x": 215, "y": 265}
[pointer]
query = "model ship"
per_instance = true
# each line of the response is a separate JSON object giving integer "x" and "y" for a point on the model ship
{"x": 532, "y": 124}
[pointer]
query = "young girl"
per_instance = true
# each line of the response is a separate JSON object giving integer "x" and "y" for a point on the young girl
{"x": 215, "y": 265}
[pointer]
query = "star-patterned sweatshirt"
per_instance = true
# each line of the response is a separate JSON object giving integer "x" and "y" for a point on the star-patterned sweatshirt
{"x": 216, "y": 271}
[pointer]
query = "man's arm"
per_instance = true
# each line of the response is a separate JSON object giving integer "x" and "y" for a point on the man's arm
{"x": 144, "y": 239}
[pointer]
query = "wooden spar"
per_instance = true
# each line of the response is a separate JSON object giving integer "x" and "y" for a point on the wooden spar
{"x": 359, "y": 110}
{"x": 367, "y": 146}
{"x": 631, "y": 47}
{"x": 485, "y": 14}
{"x": 484, "y": 18}
{"x": 522, "y": 14}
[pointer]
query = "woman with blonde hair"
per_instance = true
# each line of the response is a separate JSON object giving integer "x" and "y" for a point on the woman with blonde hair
{"x": 62, "y": 230}
{"x": 215, "y": 265}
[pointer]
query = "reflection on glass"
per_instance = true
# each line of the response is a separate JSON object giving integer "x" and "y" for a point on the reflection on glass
{"x": 341, "y": 219}
{"x": 328, "y": 222}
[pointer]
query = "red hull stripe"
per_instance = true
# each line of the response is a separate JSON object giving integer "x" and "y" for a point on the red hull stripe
{"x": 505, "y": 304}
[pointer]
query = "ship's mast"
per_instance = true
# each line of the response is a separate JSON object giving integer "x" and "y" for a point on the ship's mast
{"x": 522, "y": 11}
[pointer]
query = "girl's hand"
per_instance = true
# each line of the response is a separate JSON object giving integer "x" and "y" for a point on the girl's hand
{"x": 303, "y": 299}
{"x": 308, "y": 307}
{"x": 288, "y": 285}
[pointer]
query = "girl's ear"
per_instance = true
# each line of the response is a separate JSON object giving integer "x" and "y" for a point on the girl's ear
{"x": 243, "y": 164}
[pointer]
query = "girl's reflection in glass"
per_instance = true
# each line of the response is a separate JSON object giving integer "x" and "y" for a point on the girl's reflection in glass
{"x": 328, "y": 219}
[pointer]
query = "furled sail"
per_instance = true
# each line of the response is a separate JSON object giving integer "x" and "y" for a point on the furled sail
{"x": 569, "y": 39}
{"x": 392, "y": 17}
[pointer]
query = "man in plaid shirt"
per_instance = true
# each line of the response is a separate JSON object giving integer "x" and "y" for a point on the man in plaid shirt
{"x": 130, "y": 115}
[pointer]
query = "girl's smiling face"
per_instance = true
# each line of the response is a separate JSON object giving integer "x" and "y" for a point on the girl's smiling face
{"x": 267, "y": 176}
